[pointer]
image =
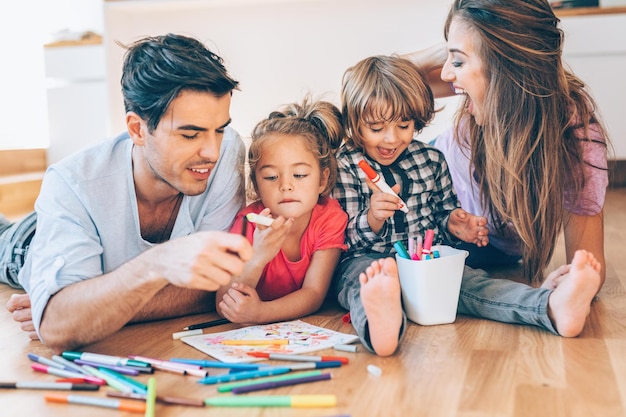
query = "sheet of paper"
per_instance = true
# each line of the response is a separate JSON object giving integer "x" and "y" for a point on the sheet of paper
{"x": 303, "y": 338}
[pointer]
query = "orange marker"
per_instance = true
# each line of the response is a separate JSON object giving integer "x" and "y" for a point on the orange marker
{"x": 124, "y": 405}
{"x": 380, "y": 183}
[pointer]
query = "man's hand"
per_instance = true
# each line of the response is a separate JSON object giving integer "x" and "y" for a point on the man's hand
{"x": 19, "y": 307}
{"x": 202, "y": 260}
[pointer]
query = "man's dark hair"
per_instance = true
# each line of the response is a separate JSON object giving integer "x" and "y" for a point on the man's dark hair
{"x": 157, "y": 69}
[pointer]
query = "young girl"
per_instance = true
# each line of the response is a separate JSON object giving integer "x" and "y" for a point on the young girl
{"x": 292, "y": 170}
{"x": 385, "y": 101}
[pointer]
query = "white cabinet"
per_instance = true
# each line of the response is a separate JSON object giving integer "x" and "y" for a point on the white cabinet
{"x": 595, "y": 50}
{"x": 77, "y": 97}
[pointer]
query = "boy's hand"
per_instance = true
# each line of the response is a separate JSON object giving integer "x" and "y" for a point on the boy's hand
{"x": 468, "y": 228}
{"x": 382, "y": 206}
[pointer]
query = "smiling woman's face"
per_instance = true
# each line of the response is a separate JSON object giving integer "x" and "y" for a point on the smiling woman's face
{"x": 464, "y": 68}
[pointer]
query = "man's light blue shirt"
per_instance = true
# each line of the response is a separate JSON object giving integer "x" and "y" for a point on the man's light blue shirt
{"x": 88, "y": 222}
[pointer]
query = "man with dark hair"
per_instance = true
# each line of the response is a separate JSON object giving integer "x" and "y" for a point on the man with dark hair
{"x": 133, "y": 229}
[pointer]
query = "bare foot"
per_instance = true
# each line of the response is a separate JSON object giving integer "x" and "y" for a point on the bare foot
{"x": 380, "y": 295}
{"x": 468, "y": 228}
{"x": 570, "y": 302}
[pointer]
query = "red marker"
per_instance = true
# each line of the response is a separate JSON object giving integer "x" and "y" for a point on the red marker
{"x": 300, "y": 358}
{"x": 380, "y": 183}
{"x": 346, "y": 318}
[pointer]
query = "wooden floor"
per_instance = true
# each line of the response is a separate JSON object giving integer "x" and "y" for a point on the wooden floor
{"x": 470, "y": 368}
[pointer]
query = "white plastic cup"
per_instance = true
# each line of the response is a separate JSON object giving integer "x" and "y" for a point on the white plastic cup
{"x": 430, "y": 288}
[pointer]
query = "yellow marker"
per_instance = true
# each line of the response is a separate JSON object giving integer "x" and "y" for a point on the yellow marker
{"x": 255, "y": 342}
{"x": 151, "y": 397}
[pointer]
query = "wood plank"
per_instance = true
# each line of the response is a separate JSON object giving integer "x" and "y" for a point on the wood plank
{"x": 21, "y": 161}
{"x": 469, "y": 368}
{"x": 18, "y": 194}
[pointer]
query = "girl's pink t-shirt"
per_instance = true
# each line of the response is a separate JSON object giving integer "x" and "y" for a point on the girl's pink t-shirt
{"x": 326, "y": 230}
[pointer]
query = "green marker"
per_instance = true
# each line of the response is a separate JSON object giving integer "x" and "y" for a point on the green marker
{"x": 151, "y": 397}
{"x": 296, "y": 401}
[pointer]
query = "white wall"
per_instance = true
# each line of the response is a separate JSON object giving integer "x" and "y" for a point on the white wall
{"x": 278, "y": 50}
{"x": 25, "y": 26}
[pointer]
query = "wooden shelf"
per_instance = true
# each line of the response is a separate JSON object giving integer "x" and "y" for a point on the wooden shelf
{"x": 585, "y": 11}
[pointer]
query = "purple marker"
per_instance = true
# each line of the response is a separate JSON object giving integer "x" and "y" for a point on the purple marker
{"x": 121, "y": 369}
{"x": 275, "y": 384}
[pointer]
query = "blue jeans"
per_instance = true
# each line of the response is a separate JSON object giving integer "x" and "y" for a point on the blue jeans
{"x": 481, "y": 296}
{"x": 503, "y": 300}
{"x": 14, "y": 243}
{"x": 486, "y": 256}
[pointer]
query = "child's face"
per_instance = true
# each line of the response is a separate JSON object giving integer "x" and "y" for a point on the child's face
{"x": 288, "y": 177}
{"x": 384, "y": 140}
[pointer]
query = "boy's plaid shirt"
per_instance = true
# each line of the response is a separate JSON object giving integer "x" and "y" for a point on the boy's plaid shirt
{"x": 430, "y": 198}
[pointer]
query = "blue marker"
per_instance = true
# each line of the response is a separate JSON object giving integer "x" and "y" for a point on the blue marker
{"x": 217, "y": 364}
{"x": 399, "y": 246}
{"x": 48, "y": 362}
{"x": 216, "y": 379}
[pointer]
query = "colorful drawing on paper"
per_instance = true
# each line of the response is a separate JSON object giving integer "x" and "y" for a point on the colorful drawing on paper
{"x": 303, "y": 338}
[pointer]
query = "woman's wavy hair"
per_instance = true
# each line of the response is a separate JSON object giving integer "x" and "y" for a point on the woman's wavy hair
{"x": 526, "y": 155}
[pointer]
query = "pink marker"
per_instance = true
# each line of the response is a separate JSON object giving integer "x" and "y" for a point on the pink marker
{"x": 66, "y": 374}
{"x": 380, "y": 183}
{"x": 418, "y": 249}
{"x": 428, "y": 242}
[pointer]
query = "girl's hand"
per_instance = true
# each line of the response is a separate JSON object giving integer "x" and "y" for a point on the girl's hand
{"x": 241, "y": 304}
{"x": 269, "y": 240}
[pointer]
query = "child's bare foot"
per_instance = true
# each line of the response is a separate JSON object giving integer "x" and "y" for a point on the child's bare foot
{"x": 570, "y": 302}
{"x": 380, "y": 295}
{"x": 468, "y": 228}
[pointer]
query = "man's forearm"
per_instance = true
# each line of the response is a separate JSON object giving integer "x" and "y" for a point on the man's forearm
{"x": 430, "y": 61}
{"x": 174, "y": 301}
{"x": 90, "y": 310}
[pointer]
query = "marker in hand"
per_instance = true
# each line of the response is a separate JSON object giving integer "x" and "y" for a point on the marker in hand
{"x": 380, "y": 183}
{"x": 258, "y": 219}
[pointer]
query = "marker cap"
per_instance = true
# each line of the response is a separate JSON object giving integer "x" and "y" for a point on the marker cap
{"x": 369, "y": 171}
